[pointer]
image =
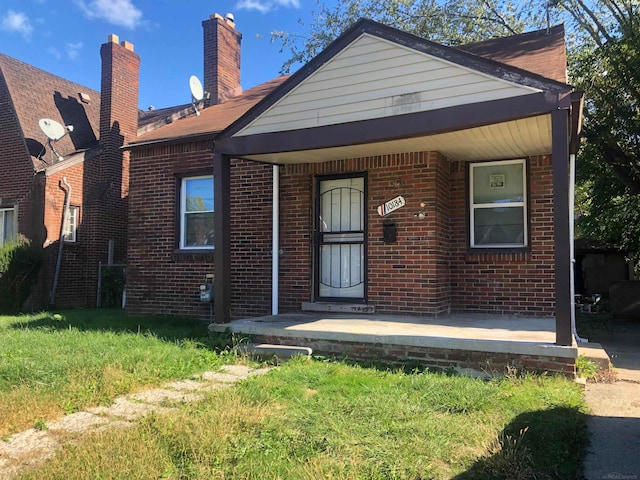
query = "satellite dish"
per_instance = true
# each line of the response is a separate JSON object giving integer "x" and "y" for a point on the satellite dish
{"x": 52, "y": 129}
{"x": 54, "y": 132}
{"x": 197, "y": 92}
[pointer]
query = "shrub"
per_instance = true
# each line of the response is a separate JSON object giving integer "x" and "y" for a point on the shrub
{"x": 19, "y": 266}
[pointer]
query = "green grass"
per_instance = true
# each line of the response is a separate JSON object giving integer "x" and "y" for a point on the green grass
{"x": 52, "y": 364}
{"x": 329, "y": 420}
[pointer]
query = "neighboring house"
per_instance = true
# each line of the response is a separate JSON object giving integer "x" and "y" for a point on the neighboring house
{"x": 467, "y": 148}
{"x": 87, "y": 165}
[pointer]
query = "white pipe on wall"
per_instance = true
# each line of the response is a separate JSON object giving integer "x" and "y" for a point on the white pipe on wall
{"x": 572, "y": 191}
{"x": 275, "y": 257}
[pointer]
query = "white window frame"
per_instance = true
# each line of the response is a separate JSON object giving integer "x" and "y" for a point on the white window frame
{"x": 70, "y": 231}
{"x": 523, "y": 204}
{"x": 183, "y": 213}
{"x": 13, "y": 209}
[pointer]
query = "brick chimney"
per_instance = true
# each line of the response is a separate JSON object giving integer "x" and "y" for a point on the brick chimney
{"x": 118, "y": 92}
{"x": 107, "y": 179}
{"x": 221, "y": 58}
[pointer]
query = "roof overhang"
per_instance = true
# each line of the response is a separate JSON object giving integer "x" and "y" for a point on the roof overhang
{"x": 505, "y": 128}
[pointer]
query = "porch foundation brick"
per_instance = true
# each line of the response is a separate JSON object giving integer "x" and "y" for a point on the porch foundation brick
{"x": 465, "y": 361}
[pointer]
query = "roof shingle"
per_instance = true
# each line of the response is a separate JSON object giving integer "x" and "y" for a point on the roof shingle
{"x": 38, "y": 94}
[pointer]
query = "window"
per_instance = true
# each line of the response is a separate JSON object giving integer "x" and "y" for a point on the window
{"x": 8, "y": 220}
{"x": 196, "y": 212}
{"x": 71, "y": 224}
{"x": 497, "y": 199}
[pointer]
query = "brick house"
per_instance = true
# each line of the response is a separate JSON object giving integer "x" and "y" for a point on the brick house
{"x": 86, "y": 167}
{"x": 409, "y": 178}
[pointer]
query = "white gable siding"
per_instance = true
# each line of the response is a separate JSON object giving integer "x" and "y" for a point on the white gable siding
{"x": 374, "y": 78}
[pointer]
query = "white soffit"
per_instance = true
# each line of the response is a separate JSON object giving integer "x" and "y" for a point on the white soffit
{"x": 375, "y": 78}
{"x": 514, "y": 139}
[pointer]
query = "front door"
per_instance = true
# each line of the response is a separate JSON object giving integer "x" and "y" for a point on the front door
{"x": 340, "y": 239}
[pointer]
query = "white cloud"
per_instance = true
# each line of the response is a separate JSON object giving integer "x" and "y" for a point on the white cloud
{"x": 118, "y": 12}
{"x": 16, "y": 22}
{"x": 289, "y": 3}
{"x": 54, "y": 52}
{"x": 263, "y": 6}
{"x": 73, "y": 50}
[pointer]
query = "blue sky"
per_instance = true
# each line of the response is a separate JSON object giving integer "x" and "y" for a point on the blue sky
{"x": 64, "y": 37}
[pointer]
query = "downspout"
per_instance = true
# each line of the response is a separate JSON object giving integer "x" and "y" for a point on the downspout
{"x": 275, "y": 253}
{"x": 572, "y": 181}
{"x": 65, "y": 212}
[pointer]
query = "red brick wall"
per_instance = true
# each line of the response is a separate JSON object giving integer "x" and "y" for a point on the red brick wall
{"x": 17, "y": 179}
{"x": 164, "y": 280}
{"x": 428, "y": 270}
{"x": 467, "y": 362}
{"x": 77, "y": 281}
{"x": 520, "y": 282}
{"x": 221, "y": 59}
{"x": 407, "y": 276}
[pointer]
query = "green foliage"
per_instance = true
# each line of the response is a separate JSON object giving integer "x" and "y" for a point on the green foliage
{"x": 112, "y": 286}
{"x": 62, "y": 363}
{"x": 19, "y": 266}
{"x": 452, "y": 22}
{"x": 315, "y": 420}
{"x": 605, "y": 63}
{"x": 586, "y": 368}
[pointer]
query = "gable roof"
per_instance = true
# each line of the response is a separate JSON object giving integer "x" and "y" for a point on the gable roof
{"x": 37, "y": 94}
{"x": 542, "y": 52}
{"x": 534, "y": 59}
{"x": 273, "y": 115}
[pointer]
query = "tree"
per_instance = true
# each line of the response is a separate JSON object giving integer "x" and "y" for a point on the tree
{"x": 453, "y": 22}
{"x": 604, "y": 63}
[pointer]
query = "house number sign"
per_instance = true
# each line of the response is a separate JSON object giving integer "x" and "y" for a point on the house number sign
{"x": 391, "y": 206}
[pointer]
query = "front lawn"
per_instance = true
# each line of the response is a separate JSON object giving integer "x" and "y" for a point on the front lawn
{"x": 53, "y": 364}
{"x": 322, "y": 419}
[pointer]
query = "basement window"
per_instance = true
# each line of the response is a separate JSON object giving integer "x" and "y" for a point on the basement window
{"x": 498, "y": 204}
{"x": 8, "y": 225}
{"x": 196, "y": 213}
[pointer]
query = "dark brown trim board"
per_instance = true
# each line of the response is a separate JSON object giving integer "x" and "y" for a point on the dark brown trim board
{"x": 393, "y": 128}
{"x": 560, "y": 158}
{"x": 222, "y": 237}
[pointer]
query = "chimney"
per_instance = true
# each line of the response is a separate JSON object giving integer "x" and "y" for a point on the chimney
{"x": 221, "y": 58}
{"x": 118, "y": 93}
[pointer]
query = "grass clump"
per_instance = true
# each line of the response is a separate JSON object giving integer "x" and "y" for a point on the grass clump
{"x": 310, "y": 420}
{"x": 55, "y": 364}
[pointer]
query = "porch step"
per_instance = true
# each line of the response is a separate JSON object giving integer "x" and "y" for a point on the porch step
{"x": 337, "y": 307}
{"x": 594, "y": 352}
{"x": 266, "y": 350}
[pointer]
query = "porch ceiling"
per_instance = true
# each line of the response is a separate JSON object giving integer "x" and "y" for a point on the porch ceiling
{"x": 512, "y": 139}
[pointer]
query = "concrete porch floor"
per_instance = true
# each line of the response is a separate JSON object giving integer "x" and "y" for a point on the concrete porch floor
{"x": 523, "y": 337}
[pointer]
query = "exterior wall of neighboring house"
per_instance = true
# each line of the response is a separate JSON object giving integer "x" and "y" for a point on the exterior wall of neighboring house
{"x": 74, "y": 286}
{"x": 164, "y": 278}
{"x": 98, "y": 176}
{"x": 17, "y": 187}
{"x": 429, "y": 269}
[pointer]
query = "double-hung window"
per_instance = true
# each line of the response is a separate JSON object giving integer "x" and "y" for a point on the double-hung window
{"x": 7, "y": 225}
{"x": 196, "y": 212}
{"x": 71, "y": 224}
{"x": 498, "y": 204}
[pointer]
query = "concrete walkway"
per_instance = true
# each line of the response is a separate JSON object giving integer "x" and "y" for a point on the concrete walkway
{"x": 29, "y": 448}
{"x": 614, "y": 425}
